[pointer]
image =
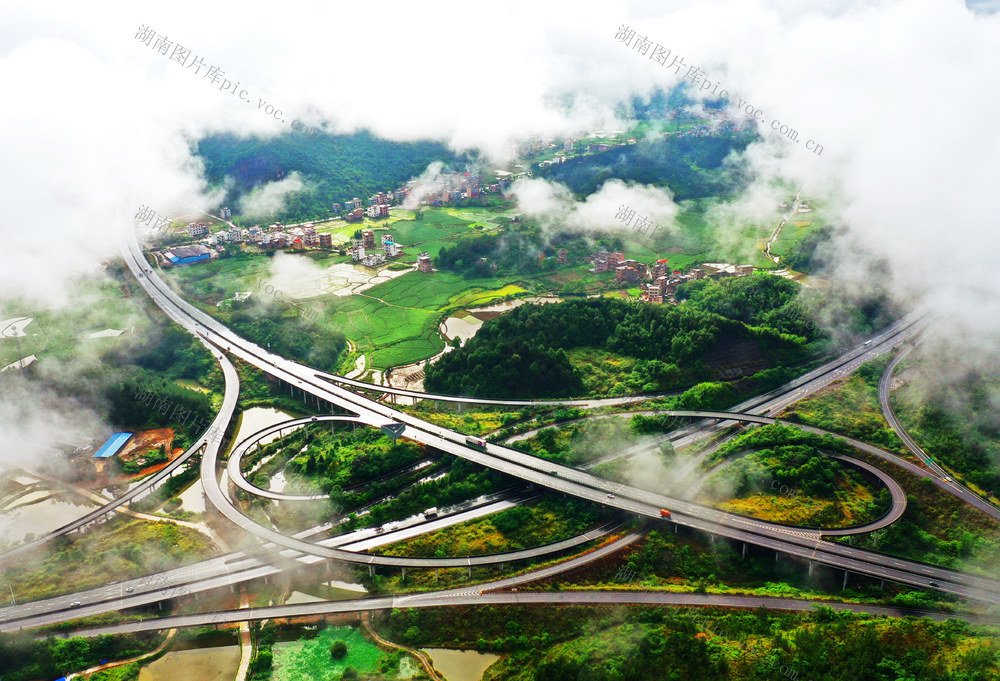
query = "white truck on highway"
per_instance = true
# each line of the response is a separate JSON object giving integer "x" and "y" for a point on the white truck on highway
{"x": 431, "y": 512}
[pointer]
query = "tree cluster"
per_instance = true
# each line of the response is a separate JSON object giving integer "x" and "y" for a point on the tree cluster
{"x": 24, "y": 658}
{"x": 522, "y": 353}
{"x": 288, "y": 334}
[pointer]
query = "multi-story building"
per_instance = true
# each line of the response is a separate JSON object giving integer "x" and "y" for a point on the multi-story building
{"x": 337, "y": 208}
{"x": 562, "y": 256}
{"x": 368, "y": 239}
{"x": 637, "y": 266}
{"x": 273, "y": 241}
{"x": 626, "y": 274}
{"x": 373, "y": 259}
{"x": 659, "y": 268}
{"x": 653, "y": 292}
{"x": 379, "y": 210}
{"x": 235, "y": 235}
{"x": 424, "y": 263}
{"x": 196, "y": 229}
{"x": 355, "y": 215}
{"x": 225, "y": 213}
{"x": 310, "y": 237}
{"x": 326, "y": 241}
{"x": 604, "y": 261}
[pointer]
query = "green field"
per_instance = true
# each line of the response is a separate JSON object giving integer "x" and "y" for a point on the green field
{"x": 699, "y": 239}
{"x": 798, "y": 227}
{"x": 308, "y": 660}
{"x": 223, "y": 277}
{"x": 396, "y": 322}
{"x": 434, "y": 230}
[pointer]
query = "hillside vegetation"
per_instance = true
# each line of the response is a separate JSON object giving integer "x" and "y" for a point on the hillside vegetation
{"x": 754, "y": 321}
{"x": 333, "y": 167}
{"x": 692, "y": 167}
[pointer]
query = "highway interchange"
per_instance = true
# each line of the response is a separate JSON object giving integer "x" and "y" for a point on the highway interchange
{"x": 327, "y": 391}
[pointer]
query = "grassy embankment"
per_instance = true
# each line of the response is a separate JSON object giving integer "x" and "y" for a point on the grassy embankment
{"x": 122, "y": 548}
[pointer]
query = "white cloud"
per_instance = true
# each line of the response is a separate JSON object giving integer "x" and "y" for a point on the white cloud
{"x": 269, "y": 198}
{"x": 553, "y": 204}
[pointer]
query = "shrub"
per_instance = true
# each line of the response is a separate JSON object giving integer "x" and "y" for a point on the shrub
{"x": 338, "y": 649}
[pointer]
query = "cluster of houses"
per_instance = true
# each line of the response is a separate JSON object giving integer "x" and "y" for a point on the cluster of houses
{"x": 364, "y": 250}
{"x": 272, "y": 237}
{"x": 363, "y": 247}
{"x": 453, "y": 187}
{"x": 658, "y": 282}
{"x": 354, "y": 210}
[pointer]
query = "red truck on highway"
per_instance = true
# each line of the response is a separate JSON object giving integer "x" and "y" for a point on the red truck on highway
{"x": 665, "y": 513}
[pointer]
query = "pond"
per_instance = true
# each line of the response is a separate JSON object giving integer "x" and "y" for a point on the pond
{"x": 193, "y": 498}
{"x": 40, "y": 512}
{"x": 460, "y": 665}
{"x": 200, "y": 664}
{"x": 255, "y": 418}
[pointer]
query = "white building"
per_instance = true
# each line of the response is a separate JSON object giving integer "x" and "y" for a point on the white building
{"x": 196, "y": 229}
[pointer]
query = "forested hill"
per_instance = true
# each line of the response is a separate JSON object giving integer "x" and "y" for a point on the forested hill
{"x": 334, "y": 167}
{"x": 523, "y": 353}
{"x": 691, "y": 166}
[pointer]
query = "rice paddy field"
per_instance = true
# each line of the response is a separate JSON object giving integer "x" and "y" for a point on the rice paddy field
{"x": 397, "y": 322}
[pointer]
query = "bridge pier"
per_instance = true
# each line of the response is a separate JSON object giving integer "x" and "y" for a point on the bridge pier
{"x": 881, "y": 585}
{"x": 845, "y": 580}
{"x": 371, "y": 570}
{"x": 436, "y": 575}
{"x": 810, "y": 568}
{"x": 404, "y": 573}
{"x": 744, "y": 550}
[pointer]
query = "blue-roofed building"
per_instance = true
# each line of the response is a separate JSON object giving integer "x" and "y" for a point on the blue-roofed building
{"x": 112, "y": 446}
{"x": 185, "y": 255}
